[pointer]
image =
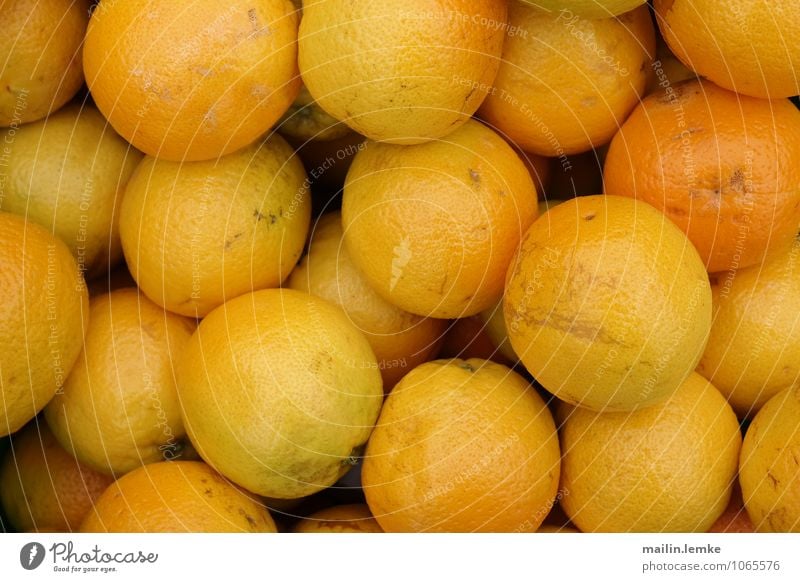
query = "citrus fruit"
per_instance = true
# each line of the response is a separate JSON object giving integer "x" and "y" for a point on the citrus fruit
{"x": 666, "y": 70}
{"x": 495, "y": 328}
{"x": 340, "y": 519}
{"x": 280, "y": 391}
{"x": 467, "y": 338}
{"x": 173, "y": 497}
{"x": 43, "y": 316}
{"x": 40, "y": 57}
{"x": 567, "y": 84}
{"x": 400, "y": 340}
{"x": 587, "y": 8}
{"x": 462, "y": 446}
{"x": 747, "y": 46}
{"x": 432, "y": 227}
{"x": 665, "y": 468}
{"x": 195, "y": 81}
{"x": 67, "y": 173}
{"x": 119, "y": 407}
{"x": 734, "y": 519}
{"x": 195, "y": 234}
{"x": 42, "y": 487}
{"x": 769, "y": 469}
{"x": 607, "y": 304}
{"x": 305, "y": 120}
{"x": 708, "y": 159}
{"x": 401, "y": 70}
{"x": 753, "y": 350}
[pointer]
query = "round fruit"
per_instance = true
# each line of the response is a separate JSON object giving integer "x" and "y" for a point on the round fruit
{"x": 495, "y": 324}
{"x": 280, "y": 392}
{"x": 198, "y": 233}
{"x": 42, "y": 487}
{"x": 462, "y": 446}
{"x": 400, "y": 70}
{"x": 753, "y": 351}
{"x": 67, "y": 173}
{"x": 43, "y": 315}
{"x": 608, "y": 304}
{"x": 119, "y": 407}
{"x": 401, "y": 341}
{"x": 586, "y": 8}
{"x": 305, "y": 120}
{"x": 747, "y": 46}
{"x": 769, "y": 469}
{"x": 192, "y": 82}
{"x": 40, "y": 51}
{"x": 721, "y": 166}
{"x": 174, "y": 497}
{"x": 433, "y": 227}
{"x": 340, "y": 519}
{"x": 734, "y": 519}
{"x": 567, "y": 84}
{"x": 665, "y": 468}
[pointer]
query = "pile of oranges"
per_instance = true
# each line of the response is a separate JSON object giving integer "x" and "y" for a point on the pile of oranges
{"x": 399, "y": 266}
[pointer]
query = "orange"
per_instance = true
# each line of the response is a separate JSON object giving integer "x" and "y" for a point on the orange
{"x": 747, "y": 46}
{"x": 340, "y": 519}
{"x": 280, "y": 392}
{"x": 566, "y": 84}
{"x": 753, "y": 351}
{"x": 42, "y": 487}
{"x": 607, "y": 305}
{"x": 769, "y": 469}
{"x": 197, "y": 233}
{"x": 495, "y": 327}
{"x": 195, "y": 81}
{"x": 306, "y": 120}
{"x": 432, "y": 227}
{"x": 666, "y": 69}
{"x": 43, "y": 316}
{"x": 400, "y": 340}
{"x": 401, "y": 70}
{"x": 173, "y": 497}
{"x": 587, "y": 8}
{"x": 119, "y": 407}
{"x": 734, "y": 519}
{"x": 665, "y": 468}
{"x": 40, "y": 57}
{"x": 721, "y": 166}
{"x": 462, "y": 446}
{"x": 467, "y": 338}
{"x": 68, "y": 173}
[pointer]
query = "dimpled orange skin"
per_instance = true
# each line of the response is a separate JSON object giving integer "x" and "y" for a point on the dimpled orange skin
{"x": 192, "y": 81}
{"x": 566, "y": 83}
{"x": 195, "y": 234}
{"x": 753, "y": 350}
{"x": 769, "y": 467}
{"x": 608, "y": 305}
{"x": 176, "y": 497}
{"x": 279, "y": 391}
{"x": 42, "y": 487}
{"x": 340, "y": 519}
{"x": 747, "y": 46}
{"x": 462, "y": 446}
{"x": 404, "y": 71}
{"x": 432, "y": 227}
{"x": 40, "y": 57}
{"x": 400, "y": 340}
{"x": 43, "y": 317}
{"x": 119, "y": 407}
{"x": 723, "y": 167}
{"x": 664, "y": 468}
